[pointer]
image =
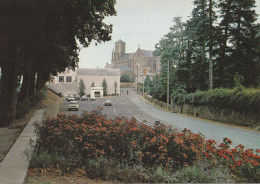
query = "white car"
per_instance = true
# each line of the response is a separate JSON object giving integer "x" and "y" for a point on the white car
{"x": 108, "y": 103}
{"x": 84, "y": 98}
{"x": 73, "y": 105}
{"x": 70, "y": 98}
{"x": 92, "y": 98}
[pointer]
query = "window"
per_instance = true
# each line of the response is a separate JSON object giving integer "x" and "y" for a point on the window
{"x": 61, "y": 78}
{"x": 68, "y": 79}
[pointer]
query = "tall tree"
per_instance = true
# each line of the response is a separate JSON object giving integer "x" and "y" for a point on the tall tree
{"x": 40, "y": 36}
{"x": 238, "y": 30}
{"x": 82, "y": 87}
{"x": 104, "y": 85}
{"x": 115, "y": 86}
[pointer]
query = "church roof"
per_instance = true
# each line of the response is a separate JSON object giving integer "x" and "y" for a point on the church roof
{"x": 122, "y": 67}
{"x": 99, "y": 71}
{"x": 126, "y": 56}
{"x": 120, "y": 41}
{"x": 147, "y": 53}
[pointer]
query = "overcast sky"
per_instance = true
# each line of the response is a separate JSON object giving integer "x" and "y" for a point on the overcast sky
{"x": 138, "y": 22}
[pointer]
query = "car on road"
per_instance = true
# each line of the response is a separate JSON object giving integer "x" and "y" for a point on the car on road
{"x": 108, "y": 103}
{"x": 77, "y": 97}
{"x": 73, "y": 105}
{"x": 71, "y": 98}
{"x": 92, "y": 98}
{"x": 84, "y": 98}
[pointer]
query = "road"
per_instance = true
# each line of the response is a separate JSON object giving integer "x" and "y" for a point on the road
{"x": 133, "y": 105}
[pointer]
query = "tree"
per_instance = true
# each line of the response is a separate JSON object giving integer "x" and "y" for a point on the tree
{"x": 38, "y": 38}
{"x": 237, "y": 42}
{"x": 104, "y": 85}
{"x": 82, "y": 88}
{"x": 93, "y": 84}
{"x": 124, "y": 78}
{"x": 115, "y": 85}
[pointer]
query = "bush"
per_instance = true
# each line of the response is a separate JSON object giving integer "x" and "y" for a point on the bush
{"x": 222, "y": 98}
{"x": 124, "y": 146}
{"x": 198, "y": 174}
{"x": 23, "y": 107}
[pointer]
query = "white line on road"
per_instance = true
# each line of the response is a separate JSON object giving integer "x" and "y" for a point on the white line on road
{"x": 114, "y": 110}
{"x": 141, "y": 121}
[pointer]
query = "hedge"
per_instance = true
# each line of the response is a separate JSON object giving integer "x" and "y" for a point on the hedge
{"x": 223, "y": 98}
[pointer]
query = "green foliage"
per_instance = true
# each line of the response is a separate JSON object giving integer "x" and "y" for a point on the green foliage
{"x": 23, "y": 107}
{"x": 82, "y": 88}
{"x": 201, "y": 174}
{"x": 124, "y": 78}
{"x": 223, "y": 98}
{"x": 227, "y": 42}
{"x": 52, "y": 45}
{"x": 238, "y": 80}
{"x": 104, "y": 85}
{"x": 127, "y": 151}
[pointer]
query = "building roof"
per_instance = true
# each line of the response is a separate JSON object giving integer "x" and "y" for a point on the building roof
{"x": 126, "y": 56}
{"x": 122, "y": 67}
{"x": 120, "y": 41}
{"x": 147, "y": 53}
{"x": 99, "y": 71}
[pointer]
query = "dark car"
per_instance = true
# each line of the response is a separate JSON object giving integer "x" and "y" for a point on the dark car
{"x": 84, "y": 98}
{"x": 77, "y": 97}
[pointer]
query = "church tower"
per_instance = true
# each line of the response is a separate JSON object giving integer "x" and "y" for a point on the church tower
{"x": 119, "y": 50}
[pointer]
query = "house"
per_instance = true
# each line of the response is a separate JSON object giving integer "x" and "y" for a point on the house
{"x": 67, "y": 82}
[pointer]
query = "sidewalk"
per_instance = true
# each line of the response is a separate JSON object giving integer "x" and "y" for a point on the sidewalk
{"x": 13, "y": 168}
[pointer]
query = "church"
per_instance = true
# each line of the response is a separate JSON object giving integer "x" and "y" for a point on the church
{"x": 141, "y": 62}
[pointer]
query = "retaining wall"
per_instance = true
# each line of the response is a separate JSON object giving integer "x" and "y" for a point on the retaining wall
{"x": 224, "y": 115}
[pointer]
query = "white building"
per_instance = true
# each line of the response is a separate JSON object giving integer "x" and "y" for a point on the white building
{"x": 68, "y": 81}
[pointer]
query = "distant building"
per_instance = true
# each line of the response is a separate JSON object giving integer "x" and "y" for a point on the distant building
{"x": 141, "y": 62}
{"x": 68, "y": 82}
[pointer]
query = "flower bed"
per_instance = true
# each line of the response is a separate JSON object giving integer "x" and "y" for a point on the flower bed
{"x": 74, "y": 141}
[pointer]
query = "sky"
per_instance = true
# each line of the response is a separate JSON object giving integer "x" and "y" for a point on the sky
{"x": 138, "y": 22}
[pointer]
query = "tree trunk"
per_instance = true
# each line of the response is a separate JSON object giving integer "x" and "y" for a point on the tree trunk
{"x": 9, "y": 84}
{"x": 27, "y": 85}
{"x": 210, "y": 45}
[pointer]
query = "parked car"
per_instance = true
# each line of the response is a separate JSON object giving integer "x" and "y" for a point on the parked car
{"x": 92, "y": 98}
{"x": 84, "y": 98}
{"x": 77, "y": 97}
{"x": 71, "y": 98}
{"x": 108, "y": 103}
{"x": 73, "y": 105}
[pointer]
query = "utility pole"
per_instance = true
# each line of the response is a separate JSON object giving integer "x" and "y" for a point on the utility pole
{"x": 143, "y": 86}
{"x": 168, "y": 76}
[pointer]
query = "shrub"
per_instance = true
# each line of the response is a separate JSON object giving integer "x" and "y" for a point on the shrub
{"x": 99, "y": 144}
{"x": 25, "y": 105}
{"x": 198, "y": 174}
{"x": 222, "y": 98}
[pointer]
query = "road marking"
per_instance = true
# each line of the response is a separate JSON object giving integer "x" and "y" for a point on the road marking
{"x": 114, "y": 110}
{"x": 141, "y": 121}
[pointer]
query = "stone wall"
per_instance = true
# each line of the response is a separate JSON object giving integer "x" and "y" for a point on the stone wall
{"x": 158, "y": 103}
{"x": 224, "y": 115}
{"x": 126, "y": 85}
{"x": 51, "y": 105}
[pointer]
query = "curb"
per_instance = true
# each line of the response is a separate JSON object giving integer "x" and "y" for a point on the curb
{"x": 13, "y": 168}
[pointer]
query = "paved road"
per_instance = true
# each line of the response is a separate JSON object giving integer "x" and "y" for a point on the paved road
{"x": 133, "y": 105}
